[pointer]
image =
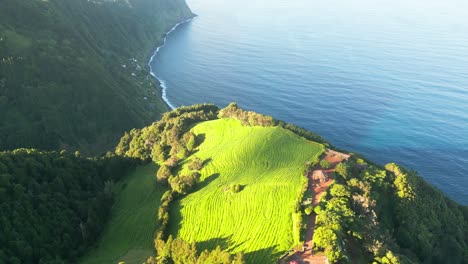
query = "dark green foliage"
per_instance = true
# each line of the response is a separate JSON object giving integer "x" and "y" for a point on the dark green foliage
{"x": 339, "y": 190}
{"x": 73, "y": 72}
{"x": 169, "y": 135}
{"x": 163, "y": 214}
{"x": 158, "y": 154}
{"x": 178, "y": 251}
{"x": 190, "y": 140}
{"x": 325, "y": 164}
{"x": 196, "y": 164}
{"x": 389, "y": 216}
{"x": 342, "y": 170}
{"x": 184, "y": 183}
{"x": 250, "y": 118}
{"x": 54, "y": 205}
{"x": 163, "y": 174}
{"x": 440, "y": 224}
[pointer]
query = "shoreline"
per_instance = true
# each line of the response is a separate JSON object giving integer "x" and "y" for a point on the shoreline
{"x": 161, "y": 82}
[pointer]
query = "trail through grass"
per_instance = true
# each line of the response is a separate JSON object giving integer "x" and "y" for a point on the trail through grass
{"x": 130, "y": 232}
{"x": 267, "y": 162}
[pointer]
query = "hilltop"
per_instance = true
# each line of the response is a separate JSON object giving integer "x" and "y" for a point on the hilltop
{"x": 223, "y": 186}
{"x": 73, "y": 72}
{"x": 250, "y": 187}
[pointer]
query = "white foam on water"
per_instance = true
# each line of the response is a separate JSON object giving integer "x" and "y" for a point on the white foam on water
{"x": 155, "y": 53}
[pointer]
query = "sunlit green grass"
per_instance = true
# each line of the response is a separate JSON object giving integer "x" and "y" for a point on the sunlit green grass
{"x": 130, "y": 232}
{"x": 268, "y": 163}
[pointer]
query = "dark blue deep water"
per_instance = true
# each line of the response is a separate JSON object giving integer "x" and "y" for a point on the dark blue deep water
{"x": 385, "y": 78}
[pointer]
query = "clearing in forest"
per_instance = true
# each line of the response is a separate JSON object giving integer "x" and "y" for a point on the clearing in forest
{"x": 268, "y": 164}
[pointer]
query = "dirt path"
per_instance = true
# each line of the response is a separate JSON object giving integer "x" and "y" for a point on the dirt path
{"x": 318, "y": 187}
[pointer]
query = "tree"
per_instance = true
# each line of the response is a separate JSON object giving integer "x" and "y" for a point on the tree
{"x": 183, "y": 252}
{"x": 163, "y": 174}
{"x": 342, "y": 169}
{"x": 339, "y": 190}
{"x": 216, "y": 256}
{"x": 158, "y": 154}
{"x": 172, "y": 162}
{"x": 195, "y": 164}
{"x": 190, "y": 141}
{"x": 325, "y": 164}
{"x": 239, "y": 258}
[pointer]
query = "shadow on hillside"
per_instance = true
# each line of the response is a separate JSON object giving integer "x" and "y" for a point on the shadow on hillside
{"x": 175, "y": 215}
{"x": 207, "y": 161}
{"x": 206, "y": 181}
{"x": 225, "y": 243}
{"x": 212, "y": 243}
{"x": 199, "y": 139}
{"x": 264, "y": 255}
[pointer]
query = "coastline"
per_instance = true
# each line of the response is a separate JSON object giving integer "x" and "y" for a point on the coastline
{"x": 161, "y": 82}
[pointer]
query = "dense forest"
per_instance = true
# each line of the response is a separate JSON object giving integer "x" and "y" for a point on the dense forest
{"x": 389, "y": 215}
{"x": 54, "y": 205}
{"x": 73, "y": 72}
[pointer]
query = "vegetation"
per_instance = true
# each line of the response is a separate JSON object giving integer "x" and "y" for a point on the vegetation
{"x": 325, "y": 164}
{"x": 361, "y": 218}
{"x": 254, "y": 119}
{"x": 268, "y": 162}
{"x": 168, "y": 139}
{"x": 389, "y": 215}
{"x": 54, "y": 205}
{"x": 178, "y": 251}
{"x": 178, "y": 146}
{"x": 129, "y": 234}
{"x": 225, "y": 186}
{"x": 72, "y": 73}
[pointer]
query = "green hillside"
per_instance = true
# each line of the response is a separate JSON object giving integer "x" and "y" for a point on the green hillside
{"x": 130, "y": 232}
{"x": 268, "y": 163}
{"x": 53, "y": 206}
{"x": 219, "y": 186}
{"x": 73, "y": 72}
{"x": 242, "y": 198}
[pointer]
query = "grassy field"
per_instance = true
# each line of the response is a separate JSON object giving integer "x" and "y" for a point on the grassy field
{"x": 267, "y": 162}
{"x": 130, "y": 232}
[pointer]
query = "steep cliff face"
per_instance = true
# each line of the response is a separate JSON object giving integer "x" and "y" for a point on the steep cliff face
{"x": 73, "y": 72}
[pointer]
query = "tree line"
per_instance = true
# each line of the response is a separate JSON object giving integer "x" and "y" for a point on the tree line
{"x": 73, "y": 73}
{"x": 53, "y": 205}
{"x": 388, "y": 215}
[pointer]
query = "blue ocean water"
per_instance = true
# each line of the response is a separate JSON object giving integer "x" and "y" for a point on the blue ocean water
{"x": 384, "y": 78}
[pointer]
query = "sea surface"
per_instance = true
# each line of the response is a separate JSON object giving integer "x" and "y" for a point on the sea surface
{"x": 387, "y": 79}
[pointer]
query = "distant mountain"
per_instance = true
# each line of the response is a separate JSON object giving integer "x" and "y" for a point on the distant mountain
{"x": 72, "y": 72}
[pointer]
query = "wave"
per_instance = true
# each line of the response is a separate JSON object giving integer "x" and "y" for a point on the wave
{"x": 155, "y": 53}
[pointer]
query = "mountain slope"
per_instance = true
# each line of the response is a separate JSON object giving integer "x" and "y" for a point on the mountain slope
{"x": 129, "y": 234}
{"x": 72, "y": 72}
{"x": 53, "y": 205}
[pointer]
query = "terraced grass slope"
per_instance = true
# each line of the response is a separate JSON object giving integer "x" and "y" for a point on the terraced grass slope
{"x": 130, "y": 232}
{"x": 267, "y": 162}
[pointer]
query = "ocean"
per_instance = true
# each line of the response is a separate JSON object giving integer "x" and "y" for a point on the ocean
{"x": 386, "y": 79}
